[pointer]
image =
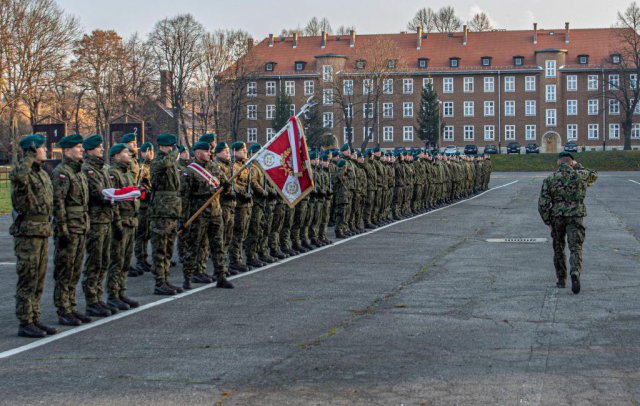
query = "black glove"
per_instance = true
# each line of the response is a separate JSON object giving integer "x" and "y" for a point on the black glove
{"x": 64, "y": 241}
{"x": 118, "y": 234}
{"x": 225, "y": 186}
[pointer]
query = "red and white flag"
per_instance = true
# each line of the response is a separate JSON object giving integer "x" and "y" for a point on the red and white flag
{"x": 122, "y": 194}
{"x": 285, "y": 161}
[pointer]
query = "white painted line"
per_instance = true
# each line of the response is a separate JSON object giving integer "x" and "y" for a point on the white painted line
{"x": 120, "y": 315}
{"x": 7, "y": 263}
{"x": 637, "y": 183}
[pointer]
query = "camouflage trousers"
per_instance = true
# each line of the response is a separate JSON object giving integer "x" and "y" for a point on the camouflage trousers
{"x": 240, "y": 230}
{"x": 31, "y": 266}
{"x": 267, "y": 222}
{"x": 143, "y": 234}
{"x": 317, "y": 215}
{"x": 356, "y": 211}
{"x": 299, "y": 216}
{"x": 567, "y": 230}
{"x": 306, "y": 231}
{"x": 276, "y": 227}
{"x": 215, "y": 239}
{"x": 343, "y": 214}
{"x": 204, "y": 238}
{"x": 396, "y": 204}
{"x": 326, "y": 215}
{"x": 121, "y": 253}
{"x": 368, "y": 215}
{"x": 256, "y": 230}
{"x": 285, "y": 233}
{"x": 98, "y": 248}
{"x": 228, "y": 220}
{"x": 67, "y": 269}
{"x": 163, "y": 237}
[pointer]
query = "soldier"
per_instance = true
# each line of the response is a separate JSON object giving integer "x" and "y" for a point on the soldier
{"x": 131, "y": 141}
{"x": 184, "y": 159}
{"x": 71, "y": 220}
{"x": 360, "y": 194}
{"x": 165, "y": 211}
{"x": 244, "y": 203}
{"x": 328, "y": 175}
{"x": 102, "y": 214}
{"x": 561, "y": 206}
{"x": 256, "y": 229}
{"x": 142, "y": 232}
{"x": 369, "y": 213}
{"x": 227, "y": 199}
{"x": 345, "y": 187}
{"x": 32, "y": 200}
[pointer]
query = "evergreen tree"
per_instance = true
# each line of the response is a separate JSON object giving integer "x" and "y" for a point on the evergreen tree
{"x": 429, "y": 116}
{"x": 283, "y": 110}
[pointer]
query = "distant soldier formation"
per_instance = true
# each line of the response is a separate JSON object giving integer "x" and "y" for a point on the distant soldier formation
{"x": 103, "y": 214}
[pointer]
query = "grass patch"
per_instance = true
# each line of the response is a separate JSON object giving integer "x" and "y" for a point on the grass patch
{"x": 5, "y": 200}
{"x": 598, "y": 160}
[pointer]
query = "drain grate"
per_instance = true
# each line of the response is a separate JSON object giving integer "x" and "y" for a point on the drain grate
{"x": 517, "y": 240}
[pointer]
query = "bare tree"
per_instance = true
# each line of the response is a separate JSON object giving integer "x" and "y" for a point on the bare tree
{"x": 480, "y": 22}
{"x": 176, "y": 44}
{"x": 425, "y": 18}
{"x": 345, "y": 29}
{"x": 447, "y": 21}
{"x": 137, "y": 83}
{"x": 317, "y": 26}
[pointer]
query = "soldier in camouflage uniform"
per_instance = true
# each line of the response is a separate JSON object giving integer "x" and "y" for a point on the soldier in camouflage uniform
{"x": 32, "y": 200}
{"x": 344, "y": 188}
{"x": 142, "y": 232}
{"x": 102, "y": 214}
{"x": 244, "y": 205}
{"x": 561, "y": 206}
{"x": 256, "y": 228}
{"x": 165, "y": 211}
{"x": 227, "y": 198}
{"x": 71, "y": 220}
{"x": 360, "y": 194}
{"x": 328, "y": 169}
{"x": 184, "y": 159}
{"x": 369, "y": 212}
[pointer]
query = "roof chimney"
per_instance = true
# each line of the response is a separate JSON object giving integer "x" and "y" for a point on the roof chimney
{"x": 535, "y": 33}
{"x": 419, "y": 40}
{"x": 566, "y": 33}
{"x": 295, "y": 39}
{"x": 352, "y": 38}
{"x": 249, "y": 43}
{"x": 270, "y": 40}
{"x": 466, "y": 33}
{"x": 324, "y": 40}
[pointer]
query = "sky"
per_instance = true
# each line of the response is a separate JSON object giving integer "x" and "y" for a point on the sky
{"x": 260, "y": 18}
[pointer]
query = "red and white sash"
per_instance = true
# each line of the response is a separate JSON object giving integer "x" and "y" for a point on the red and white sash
{"x": 200, "y": 170}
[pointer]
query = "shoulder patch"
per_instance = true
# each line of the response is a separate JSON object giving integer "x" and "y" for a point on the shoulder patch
{"x": 62, "y": 176}
{"x": 90, "y": 173}
{"x": 185, "y": 174}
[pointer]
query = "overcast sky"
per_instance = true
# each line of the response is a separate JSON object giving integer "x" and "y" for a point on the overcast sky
{"x": 260, "y": 18}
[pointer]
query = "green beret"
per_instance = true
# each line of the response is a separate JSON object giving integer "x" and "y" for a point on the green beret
{"x": 220, "y": 146}
{"x": 32, "y": 141}
{"x": 191, "y": 154}
{"x": 208, "y": 138}
{"x": 254, "y": 148}
{"x": 344, "y": 147}
{"x": 359, "y": 154}
{"x": 167, "y": 140}
{"x": 376, "y": 148}
{"x": 565, "y": 154}
{"x": 341, "y": 163}
{"x": 70, "y": 141}
{"x": 181, "y": 149}
{"x": 128, "y": 138}
{"x": 201, "y": 145}
{"x": 92, "y": 142}
{"x": 325, "y": 157}
{"x": 146, "y": 147}
{"x": 116, "y": 149}
{"x": 313, "y": 155}
{"x": 238, "y": 145}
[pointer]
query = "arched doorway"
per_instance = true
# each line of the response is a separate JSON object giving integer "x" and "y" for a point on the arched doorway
{"x": 550, "y": 143}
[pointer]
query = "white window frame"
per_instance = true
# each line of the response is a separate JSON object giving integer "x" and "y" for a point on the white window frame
{"x": 550, "y": 68}
{"x": 252, "y": 89}
{"x": 387, "y": 134}
{"x": 367, "y": 108}
{"x": 427, "y": 81}
{"x": 407, "y": 133}
{"x": 448, "y": 133}
{"x": 448, "y": 105}
{"x": 614, "y": 81}
{"x": 327, "y": 97}
{"x": 407, "y": 86}
{"x": 530, "y": 108}
{"x": 289, "y": 88}
{"x": 633, "y": 80}
{"x": 309, "y": 87}
{"x": 530, "y": 132}
{"x": 593, "y": 131}
{"x": 551, "y": 117}
{"x": 489, "y": 132}
{"x": 614, "y": 131}
{"x": 447, "y": 85}
{"x": 635, "y": 131}
{"x": 270, "y": 88}
{"x": 592, "y": 107}
{"x": 327, "y": 119}
{"x": 387, "y": 110}
{"x": 345, "y": 134}
{"x": 407, "y": 109}
{"x": 252, "y": 134}
{"x": 572, "y": 107}
{"x": 489, "y": 84}
{"x": 327, "y": 73}
{"x": 489, "y": 108}
{"x": 509, "y": 108}
{"x": 252, "y": 111}
{"x": 367, "y": 133}
{"x": 468, "y": 84}
{"x": 387, "y": 86}
{"x": 509, "y": 132}
{"x": 509, "y": 84}
{"x": 270, "y": 110}
{"x": 529, "y": 83}
{"x": 468, "y": 109}
{"x": 572, "y": 83}
{"x": 614, "y": 107}
{"x": 550, "y": 94}
{"x": 367, "y": 86}
{"x": 269, "y": 133}
{"x": 572, "y": 132}
{"x": 468, "y": 133}
{"x": 592, "y": 83}
{"x": 347, "y": 87}
{"x": 292, "y": 109}
{"x": 349, "y": 110}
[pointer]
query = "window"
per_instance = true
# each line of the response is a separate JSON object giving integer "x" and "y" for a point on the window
{"x": 269, "y": 66}
{"x": 252, "y": 89}
{"x": 468, "y": 132}
{"x": 290, "y": 88}
{"x": 360, "y": 64}
{"x": 252, "y": 135}
{"x": 407, "y": 86}
{"x": 614, "y": 82}
{"x": 509, "y": 84}
{"x": 510, "y": 132}
{"x": 308, "y": 87}
{"x": 448, "y": 133}
{"x": 615, "y": 59}
{"x": 292, "y": 109}
{"x": 447, "y": 85}
{"x": 367, "y": 86}
{"x": 593, "y": 132}
{"x": 614, "y": 131}
{"x": 550, "y": 94}
{"x": 270, "y": 133}
{"x": 518, "y": 60}
{"x": 447, "y": 109}
{"x": 509, "y": 108}
{"x": 422, "y": 63}
{"x": 252, "y": 112}
{"x": 299, "y": 66}
{"x": 347, "y": 134}
{"x": 454, "y": 62}
{"x": 387, "y": 86}
{"x": 387, "y": 134}
{"x": 347, "y": 87}
{"x": 327, "y": 120}
{"x": 551, "y": 118}
{"x": 614, "y": 107}
{"x": 486, "y": 61}
{"x": 349, "y": 110}
{"x": 489, "y": 132}
{"x": 530, "y": 132}
{"x": 572, "y": 83}
{"x": 583, "y": 59}
{"x": 427, "y": 82}
{"x": 391, "y": 64}
{"x": 327, "y": 96}
{"x": 489, "y": 84}
{"x": 529, "y": 83}
{"x": 327, "y": 73}
{"x": 271, "y": 88}
{"x": 387, "y": 110}
{"x": 592, "y": 82}
{"x": 367, "y": 110}
{"x": 367, "y": 133}
{"x": 572, "y": 132}
{"x": 407, "y": 109}
{"x": 592, "y": 107}
{"x": 489, "y": 108}
{"x": 530, "y": 108}
{"x": 635, "y": 131}
{"x": 550, "y": 68}
{"x": 468, "y": 85}
{"x": 271, "y": 110}
{"x": 633, "y": 80}
{"x": 468, "y": 109}
{"x": 407, "y": 133}
{"x": 572, "y": 107}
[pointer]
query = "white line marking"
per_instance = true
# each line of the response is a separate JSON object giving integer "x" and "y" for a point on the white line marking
{"x": 637, "y": 183}
{"x": 100, "y": 322}
{"x": 7, "y": 263}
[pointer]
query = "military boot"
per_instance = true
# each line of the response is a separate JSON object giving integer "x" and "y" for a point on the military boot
{"x": 164, "y": 290}
{"x": 68, "y": 319}
{"x": 201, "y": 278}
{"x": 268, "y": 259}
{"x": 238, "y": 266}
{"x": 575, "y": 283}
{"x": 95, "y": 310}
{"x": 49, "y": 330}
{"x": 306, "y": 244}
{"x": 255, "y": 263}
{"x": 30, "y": 330}
{"x": 112, "y": 310}
{"x": 174, "y": 287}
{"x": 132, "y": 303}
{"x": 224, "y": 284}
{"x": 186, "y": 285}
{"x": 117, "y": 303}
{"x": 83, "y": 318}
{"x": 278, "y": 254}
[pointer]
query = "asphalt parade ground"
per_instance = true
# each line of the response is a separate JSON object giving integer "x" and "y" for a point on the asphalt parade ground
{"x": 456, "y": 306}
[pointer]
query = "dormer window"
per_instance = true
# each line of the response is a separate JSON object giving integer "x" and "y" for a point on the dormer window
{"x": 391, "y": 64}
{"x": 269, "y": 66}
{"x": 360, "y": 64}
{"x": 423, "y": 63}
{"x": 486, "y": 61}
{"x": 454, "y": 62}
{"x": 583, "y": 59}
{"x": 518, "y": 60}
{"x": 299, "y": 66}
{"x": 615, "y": 59}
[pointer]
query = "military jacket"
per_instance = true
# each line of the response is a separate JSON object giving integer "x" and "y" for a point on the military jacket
{"x": 101, "y": 211}
{"x": 32, "y": 199}
{"x": 563, "y": 192}
{"x": 70, "y": 198}
{"x": 121, "y": 176}
{"x": 165, "y": 182}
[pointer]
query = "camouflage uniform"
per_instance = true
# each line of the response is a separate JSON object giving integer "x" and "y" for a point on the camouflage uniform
{"x": 242, "y": 213}
{"x": 329, "y": 176}
{"x": 183, "y": 247}
{"x": 561, "y": 206}
{"x": 370, "y": 203}
{"x": 345, "y": 186}
{"x": 228, "y": 205}
{"x": 256, "y": 229}
{"x": 143, "y": 232}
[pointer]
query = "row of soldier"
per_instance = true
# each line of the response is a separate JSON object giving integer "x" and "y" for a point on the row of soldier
{"x": 247, "y": 225}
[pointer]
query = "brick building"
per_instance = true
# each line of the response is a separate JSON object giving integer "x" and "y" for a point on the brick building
{"x": 542, "y": 86}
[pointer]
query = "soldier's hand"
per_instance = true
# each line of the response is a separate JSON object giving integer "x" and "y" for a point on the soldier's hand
{"x": 63, "y": 241}
{"x": 225, "y": 186}
{"x": 118, "y": 234}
